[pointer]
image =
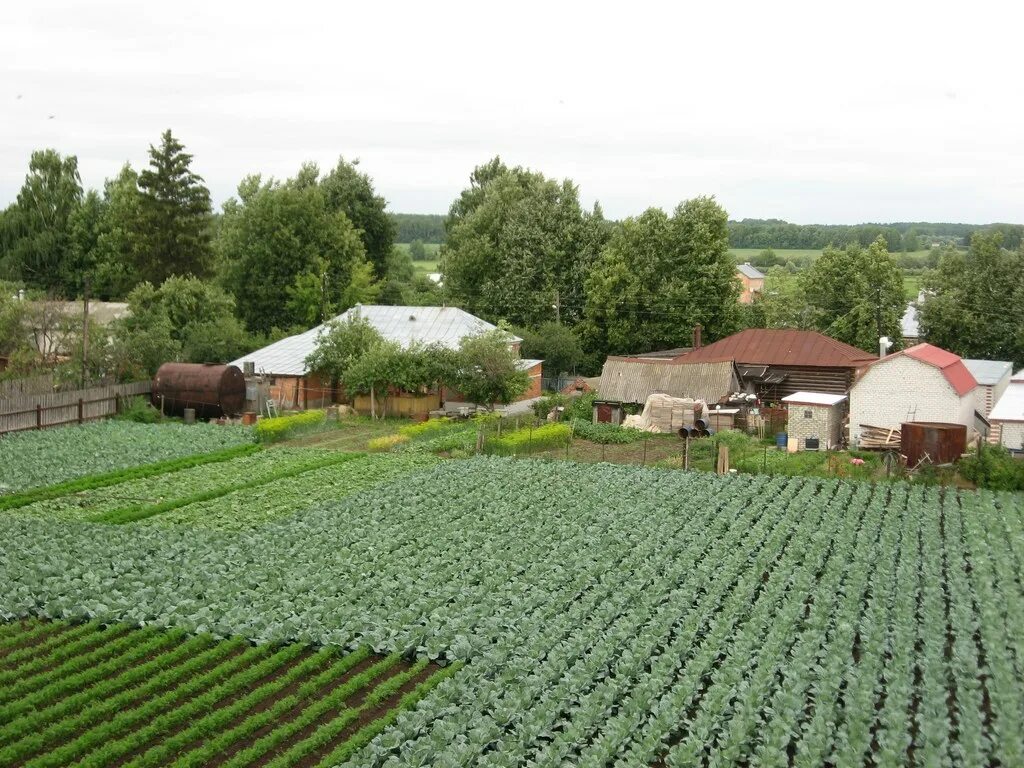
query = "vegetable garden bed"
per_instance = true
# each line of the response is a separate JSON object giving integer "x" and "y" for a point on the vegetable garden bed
{"x": 611, "y": 615}
{"x": 51, "y": 456}
{"x": 96, "y": 695}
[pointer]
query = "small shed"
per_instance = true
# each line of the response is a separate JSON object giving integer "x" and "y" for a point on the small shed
{"x": 815, "y": 419}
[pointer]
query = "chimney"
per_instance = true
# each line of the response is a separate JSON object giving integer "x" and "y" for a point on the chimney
{"x": 696, "y": 336}
{"x": 883, "y": 345}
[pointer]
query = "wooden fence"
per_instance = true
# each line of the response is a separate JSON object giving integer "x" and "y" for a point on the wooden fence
{"x": 59, "y": 408}
{"x": 26, "y": 386}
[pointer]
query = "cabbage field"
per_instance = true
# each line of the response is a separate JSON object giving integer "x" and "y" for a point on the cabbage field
{"x": 605, "y": 615}
{"x": 51, "y": 456}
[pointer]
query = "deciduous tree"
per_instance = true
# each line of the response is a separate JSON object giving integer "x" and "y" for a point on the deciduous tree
{"x": 280, "y": 245}
{"x": 351, "y": 192}
{"x": 488, "y": 369}
{"x": 519, "y": 247}
{"x": 972, "y": 301}
{"x": 658, "y": 277}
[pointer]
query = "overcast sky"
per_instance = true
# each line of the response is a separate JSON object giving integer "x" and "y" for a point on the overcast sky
{"x": 810, "y": 112}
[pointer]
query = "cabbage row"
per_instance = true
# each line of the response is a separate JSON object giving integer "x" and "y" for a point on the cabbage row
{"x": 51, "y": 456}
{"x": 610, "y": 615}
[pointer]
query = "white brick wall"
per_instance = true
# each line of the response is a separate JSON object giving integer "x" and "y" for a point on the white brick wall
{"x": 892, "y": 390}
{"x": 1012, "y": 435}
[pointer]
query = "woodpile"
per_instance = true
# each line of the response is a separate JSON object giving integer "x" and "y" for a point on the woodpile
{"x": 879, "y": 438}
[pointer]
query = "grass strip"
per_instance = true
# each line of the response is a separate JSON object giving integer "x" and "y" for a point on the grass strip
{"x": 141, "y": 512}
{"x": 368, "y": 732}
{"x": 25, "y": 661}
{"x": 245, "y": 729}
{"x": 63, "y": 684}
{"x": 97, "y": 709}
{"x": 200, "y": 696}
{"x": 310, "y": 715}
{"x": 111, "y": 647}
{"x": 91, "y": 482}
{"x": 324, "y": 734}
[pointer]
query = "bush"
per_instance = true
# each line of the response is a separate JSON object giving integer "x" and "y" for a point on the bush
{"x": 140, "y": 410}
{"x": 548, "y": 403}
{"x": 386, "y": 442}
{"x": 582, "y": 407}
{"x": 529, "y": 440}
{"x": 993, "y": 467}
{"x": 607, "y": 434}
{"x": 282, "y": 427}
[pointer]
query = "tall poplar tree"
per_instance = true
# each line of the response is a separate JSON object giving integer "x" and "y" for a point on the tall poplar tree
{"x": 175, "y": 215}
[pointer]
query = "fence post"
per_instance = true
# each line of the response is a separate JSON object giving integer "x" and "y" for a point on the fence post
{"x": 39, "y": 416}
{"x": 643, "y": 462}
{"x": 529, "y": 445}
{"x": 686, "y": 453}
{"x": 80, "y": 411}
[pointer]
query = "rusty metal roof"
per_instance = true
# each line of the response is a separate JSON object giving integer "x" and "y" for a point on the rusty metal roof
{"x": 769, "y": 346}
{"x": 632, "y": 380}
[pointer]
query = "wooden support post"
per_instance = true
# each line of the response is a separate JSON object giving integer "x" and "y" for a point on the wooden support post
{"x": 643, "y": 461}
{"x": 39, "y": 416}
{"x": 722, "y": 467}
{"x": 80, "y": 409}
{"x": 686, "y": 453}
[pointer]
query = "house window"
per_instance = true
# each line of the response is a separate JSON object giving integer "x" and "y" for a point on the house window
{"x": 808, "y": 414}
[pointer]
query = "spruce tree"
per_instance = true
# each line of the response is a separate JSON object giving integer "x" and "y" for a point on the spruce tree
{"x": 175, "y": 215}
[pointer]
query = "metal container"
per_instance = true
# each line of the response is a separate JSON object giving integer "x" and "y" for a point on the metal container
{"x": 932, "y": 442}
{"x": 212, "y": 390}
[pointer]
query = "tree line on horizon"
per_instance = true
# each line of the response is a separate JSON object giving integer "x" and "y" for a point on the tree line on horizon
{"x": 518, "y": 250}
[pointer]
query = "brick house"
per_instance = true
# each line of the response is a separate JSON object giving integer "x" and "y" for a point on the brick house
{"x": 283, "y": 364}
{"x": 752, "y": 280}
{"x": 922, "y": 383}
{"x": 816, "y": 417}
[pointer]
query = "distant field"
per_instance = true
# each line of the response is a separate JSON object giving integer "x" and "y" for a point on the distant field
{"x": 746, "y": 254}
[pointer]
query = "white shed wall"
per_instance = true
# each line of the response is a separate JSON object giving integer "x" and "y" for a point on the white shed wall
{"x": 1012, "y": 435}
{"x": 893, "y": 390}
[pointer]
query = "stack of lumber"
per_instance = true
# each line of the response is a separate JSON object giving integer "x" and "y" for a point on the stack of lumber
{"x": 884, "y": 438}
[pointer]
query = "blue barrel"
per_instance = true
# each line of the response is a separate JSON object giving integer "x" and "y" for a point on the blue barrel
{"x": 780, "y": 440}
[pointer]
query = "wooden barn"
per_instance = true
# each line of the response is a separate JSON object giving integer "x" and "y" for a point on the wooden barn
{"x": 774, "y": 363}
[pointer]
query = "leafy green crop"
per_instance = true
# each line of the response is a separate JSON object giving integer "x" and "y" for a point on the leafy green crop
{"x": 609, "y": 615}
{"x": 527, "y": 439}
{"x": 609, "y": 434}
{"x": 281, "y": 427}
{"x": 51, "y": 456}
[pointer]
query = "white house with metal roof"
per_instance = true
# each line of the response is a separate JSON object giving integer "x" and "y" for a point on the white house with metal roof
{"x": 1008, "y": 414}
{"x": 293, "y": 385}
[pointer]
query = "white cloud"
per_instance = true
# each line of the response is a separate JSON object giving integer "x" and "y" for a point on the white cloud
{"x": 804, "y": 111}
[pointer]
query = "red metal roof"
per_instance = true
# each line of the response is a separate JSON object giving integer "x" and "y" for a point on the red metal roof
{"x": 952, "y": 367}
{"x": 769, "y": 346}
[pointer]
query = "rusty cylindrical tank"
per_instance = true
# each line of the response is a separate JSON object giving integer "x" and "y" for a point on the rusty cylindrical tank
{"x": 932, "y": 441}
{"x": 213, "y": 390}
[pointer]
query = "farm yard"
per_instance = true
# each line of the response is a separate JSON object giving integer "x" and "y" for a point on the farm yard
{"x": 305, "y": 604}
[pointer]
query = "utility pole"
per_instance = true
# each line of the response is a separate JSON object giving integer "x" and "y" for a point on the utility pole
{"x": 85, "y": 332}
{"x": 878, "y": 311}
{"x": 557, "y": 306}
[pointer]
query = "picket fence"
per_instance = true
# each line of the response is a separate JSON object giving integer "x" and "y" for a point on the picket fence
{"x": 59, "y": 408}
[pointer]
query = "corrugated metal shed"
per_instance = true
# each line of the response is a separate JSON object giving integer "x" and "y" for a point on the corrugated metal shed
{"x": 632, "y": 380}
{"x": 988, "y": 372}
{"x": 405, "y": 325}
{"x": 769, "y": 346}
